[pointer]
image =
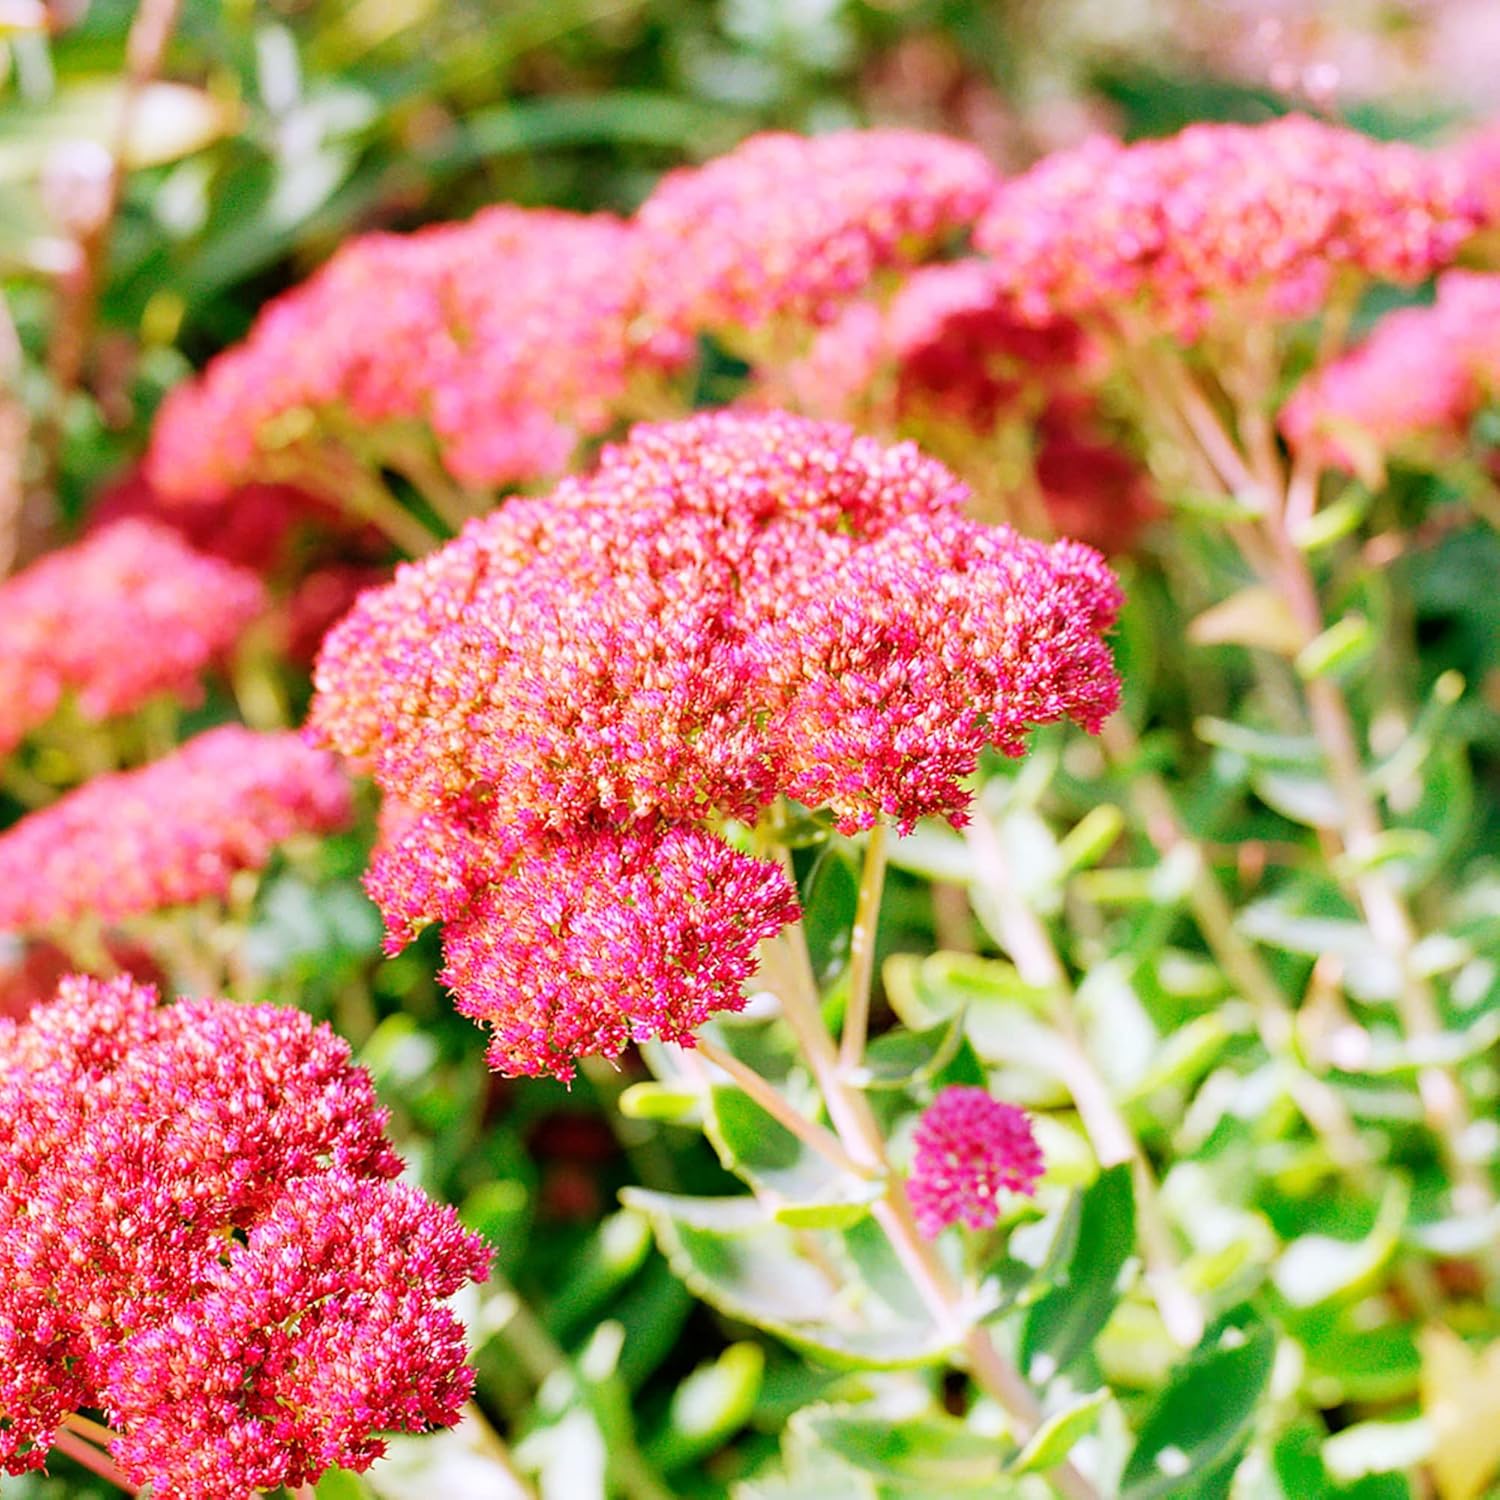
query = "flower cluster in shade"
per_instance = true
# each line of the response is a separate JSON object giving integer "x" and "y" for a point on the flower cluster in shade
{"x": 201, "y": 1238}
{"x": 126, "y": 614}
{"x": 970, "y": 1147}
{"x": 169, "y": 834}
{"x": 786, "y": 228}
{"x": 1255, "y": 222}
{"x": 731, "y": 609}
{"x": 493, "y": 344}
{"x": 949, "y": 362}
{"x": 1416, "y": 383}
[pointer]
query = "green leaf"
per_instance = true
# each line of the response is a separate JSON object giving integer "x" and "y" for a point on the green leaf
{"x": 1196, "y": 1428}
{"x": 659, "y": 1101}
{"x": 806, "y": 1188}
{"x": 1255, "y": 616}
{"x": 712, "y": 1403}
{"x": 934, "y": 1453}
{"x": 1091, "y": 838}
{"x": 1338, "y": 650}
{"x": 1056, "y": 1438}
{"x": 1186, "y": 1055}
{"x": 1315, "y": 1268}
{"x": 903, "y": 1058}
{"x": 1259, "y": 746}
{"x": 732, "y": 1254}
{"x": 1378, "y": 1448}
{"x": 1333, "y": 522}
{"x": 1062, "y": 1324}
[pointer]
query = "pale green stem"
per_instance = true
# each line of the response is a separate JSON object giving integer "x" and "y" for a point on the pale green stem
{"x": 862, "y": 951}
{"x": 1031, "y": 950}
{"x": 860, "y": 1134}
{"x": 779, "y": 1107}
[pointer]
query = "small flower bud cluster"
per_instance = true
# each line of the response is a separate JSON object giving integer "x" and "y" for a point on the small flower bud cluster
{"x": 949, "y": 362}
{"x": 970, "y": 1147}
{"x": 730, "y": 609}
{"x": 503, "y": 340}
{"x": 200, "y": 1237}
{"x": 1369, "y": 404}
{"x": 115, "y": 619}
{"x": 169, "y": 834}
{"x": 1252, "y": 221}
{"x": 787, "y": 228}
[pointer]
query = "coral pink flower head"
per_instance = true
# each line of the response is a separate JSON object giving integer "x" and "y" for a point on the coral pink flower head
{"x": 169, "y": 834}
{"x": 115, "y": 619}
{"x": 1256, "y": 221}
{"x": 789, "y": 227}
{"x": 970, "y": 1148}
{"x": 501, "y": 341}
{"x": 734, "y": 608}
{"x": 1367, "y": 405}
{"x": 199, "y": 1236}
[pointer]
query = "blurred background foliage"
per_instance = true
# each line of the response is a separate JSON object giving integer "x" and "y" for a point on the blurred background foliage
{"x": 277, "y": 130}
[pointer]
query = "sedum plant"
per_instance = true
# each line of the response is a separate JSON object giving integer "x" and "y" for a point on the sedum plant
{"x": 1047, "y": 1005}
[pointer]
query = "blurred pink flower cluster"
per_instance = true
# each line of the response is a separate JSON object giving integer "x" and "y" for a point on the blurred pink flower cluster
{"x": 730, "y": 609}
{"x": 169, "y": 834}
{"x": 114, "y": 620}
{"x": 1418, "y": 380}
{"x": 201, "y": 1238}
{"x": 1221, "y": 222}
{"x": 970, "y": 1148}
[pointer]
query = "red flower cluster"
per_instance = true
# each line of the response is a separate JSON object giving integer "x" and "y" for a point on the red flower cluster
{"x": 170, "y": 833}
{"x": 730, "y": 609}
{"x": 126, "y": 614}
{"x": 200, "y": 1237}
{"x": 1262, "y": 218}
{"x": 1368, "y": 404}
{"x": 503, "y": 340}
{"x": 970, "y": 1148}
{"x": 950, "y": 362}
{"x": 789, "y": 227}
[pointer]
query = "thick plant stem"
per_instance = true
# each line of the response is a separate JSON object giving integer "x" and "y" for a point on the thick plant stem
{"x": 1283, "y": 565}
{"x": 1036, "y": 959}
{"x": 95, "y": 1460}
{"x": 1384, "y": 909}
{"x": 860, "y": 1134}
{"x": 862, "y": 951}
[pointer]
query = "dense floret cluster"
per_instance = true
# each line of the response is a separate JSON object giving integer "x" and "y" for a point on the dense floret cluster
{"x": 115, "y": 619}
{"x": 1257, "y": 221}
{"x": 169, "y": 834}
{"x": 1418, "y": 380}
{"x": 501, "y": 340}
{"x": 729, "y": 610}
{"x": 970, "y": 1148}
{"x": 788, "y": 228}
{"x": 201, "y": 1239}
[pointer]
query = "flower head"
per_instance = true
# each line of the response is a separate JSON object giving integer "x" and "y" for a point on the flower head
{"x": 1367, "y": 404}
{"x": 950, "y": 362}
{"x": 199, "y": 1235}
{"x": 169, "y": 834}
{"x": 788, "y": 228}
{"x": 1253, "y": 220}
{"x": 500, "y": 341}
{"x": 969, "y": 1148}
{"x": 729, "y": 609}
{"x": 573, "y": 694}
{"x": 115, "y": 619}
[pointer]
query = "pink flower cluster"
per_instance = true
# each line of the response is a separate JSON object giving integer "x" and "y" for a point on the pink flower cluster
{"x": 1419, "y": 379}
{"x": 950, "y": 362}
{"x": 200, "y": 1238}
{"x": 1262, "y": 219}
{"x": 788, "y": 227}
{"x": 969, "y": 1148}
{"x": 170, "y": 833}
{"x": 503, "y": 340}
{"x": 730, "y": 609}
{"x": 115, "y": 619}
